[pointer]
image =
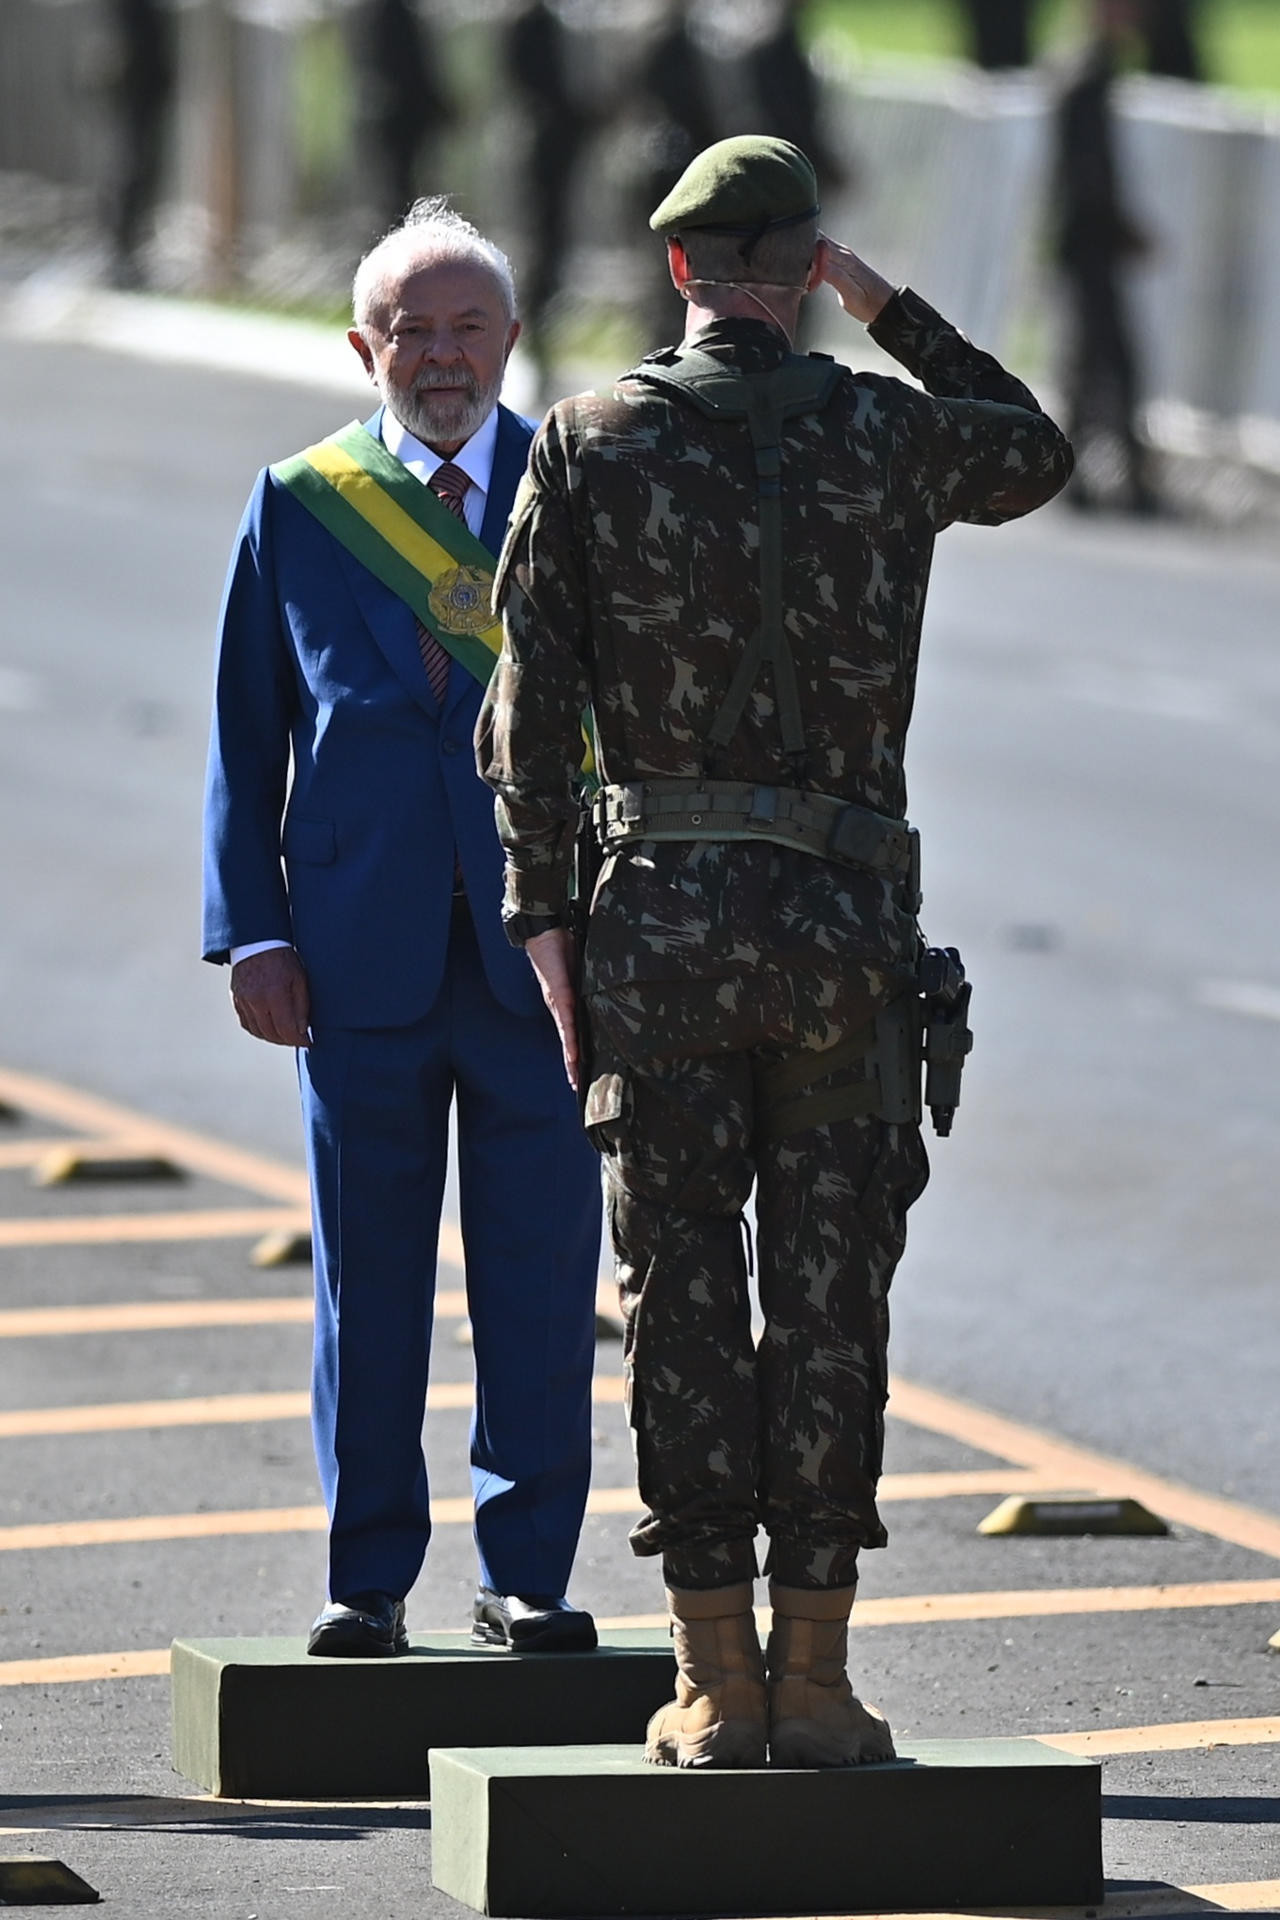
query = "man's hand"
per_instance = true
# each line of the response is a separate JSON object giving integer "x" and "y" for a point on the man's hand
{"x": 862, "y": 292}
{"x": 272, "y": 1000}
{"x": 553, "y": 957}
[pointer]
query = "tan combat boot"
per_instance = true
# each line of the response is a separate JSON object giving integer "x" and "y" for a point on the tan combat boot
{"x": 718, "y": 1717}
{"x": 814, "y": 1719}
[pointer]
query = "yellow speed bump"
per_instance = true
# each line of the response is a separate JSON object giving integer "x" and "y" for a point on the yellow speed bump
{"x": 27, "y": 1880}
{"x": 283, "y": 1248}
{"x": 1274, "y": 1642}
{"x": 112, "y": 1160}
{"x": 1071, "y": 1514}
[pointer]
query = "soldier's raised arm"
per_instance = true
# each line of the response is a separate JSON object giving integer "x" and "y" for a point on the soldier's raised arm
{"x": 986, "y": 451}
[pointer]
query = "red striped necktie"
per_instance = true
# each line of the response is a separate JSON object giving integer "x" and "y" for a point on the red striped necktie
{"x": 450, "y": 486}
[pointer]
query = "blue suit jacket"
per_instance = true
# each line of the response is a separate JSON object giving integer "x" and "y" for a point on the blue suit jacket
{"x": 317, "y": 658}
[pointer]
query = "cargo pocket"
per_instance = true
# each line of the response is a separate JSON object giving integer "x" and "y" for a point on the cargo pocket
{"x": 605, "y": 1110}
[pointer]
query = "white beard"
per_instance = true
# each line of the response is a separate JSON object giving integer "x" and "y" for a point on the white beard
{"x": 435, "y": 417}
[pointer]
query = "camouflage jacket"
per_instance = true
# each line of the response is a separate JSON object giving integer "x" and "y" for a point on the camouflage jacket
{"x": 629, "y": 582}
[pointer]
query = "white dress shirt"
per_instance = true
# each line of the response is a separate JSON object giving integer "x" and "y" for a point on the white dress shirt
{"x": 475, "y": 459}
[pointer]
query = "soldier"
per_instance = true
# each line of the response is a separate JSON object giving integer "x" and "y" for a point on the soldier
{"x": 726, "y": 557}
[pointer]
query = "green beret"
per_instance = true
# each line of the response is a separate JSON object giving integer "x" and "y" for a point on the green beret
{"x": 745, "y": 185}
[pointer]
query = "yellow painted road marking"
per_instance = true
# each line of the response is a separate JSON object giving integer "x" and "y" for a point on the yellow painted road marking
{"x": 1137, "y": 1903}
{"x": 925, "y": 1609}
{"x": 28, "y": 1153}
{"x": 149, "y": 1527}
{"x": 236, "y": 1166}
{"x": 85, "y": 1112}
{"x": 155, "y": 1316}
{"x": 167, "y": 1316}
{"x": 84, "y": 1666}
{"x": 1241, "y": 1896}
{"x": 1167, "y": 1739}
{"x": 1076, "y": 1467}
{"x": 1047, "y": 1602}
{"x": 225, "y": 1409}
{"x": 99, "y": 1230}
{"x": 163, "y": 1316}
{"x": 106, "y": 1229}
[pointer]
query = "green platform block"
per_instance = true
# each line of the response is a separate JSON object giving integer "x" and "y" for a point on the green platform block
{"x": 262, "y": 1720}
{"x": 568, "y": 1831}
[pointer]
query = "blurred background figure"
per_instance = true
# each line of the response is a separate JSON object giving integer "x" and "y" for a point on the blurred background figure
{"x": 536, "y": 70}
{"x": 1097, "y": 240}
{"x": 1170, "y": 30}
{"x": 679, "y": 120}
{"x": 401, "y": 101}
{"x": 140, "y": 85}
{"x": 998, "y": 32}
{"x": 784, "y": 92}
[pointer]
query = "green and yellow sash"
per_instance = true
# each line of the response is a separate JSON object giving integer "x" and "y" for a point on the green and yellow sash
{"x": 407, "y": 538}
{"x": 384, "y": 516}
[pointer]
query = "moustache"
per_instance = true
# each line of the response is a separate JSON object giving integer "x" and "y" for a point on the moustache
{"x": 458, "y": 381}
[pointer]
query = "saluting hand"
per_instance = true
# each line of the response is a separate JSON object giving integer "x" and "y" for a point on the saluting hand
{"x": 552, "y": 956}
{"x": 862, "y": 292}
{"x": 271, "y": 997}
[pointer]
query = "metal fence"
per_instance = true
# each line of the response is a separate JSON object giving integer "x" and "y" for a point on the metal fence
{"x": 949, "y": 171}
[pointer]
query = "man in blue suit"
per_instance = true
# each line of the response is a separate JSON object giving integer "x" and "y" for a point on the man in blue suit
{"x": 359, "y": 905}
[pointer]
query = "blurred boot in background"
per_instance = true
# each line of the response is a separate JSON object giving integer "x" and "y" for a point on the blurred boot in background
{"x": 141, "y": 82}
{"x": 998, "y": 32}
{"x": 401, "y": 101}
{"x": 1097, "y": 239}
{"x": 536, "y": 68}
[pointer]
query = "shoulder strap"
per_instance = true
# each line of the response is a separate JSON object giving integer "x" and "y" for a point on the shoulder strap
{"x": 799, "y": 384}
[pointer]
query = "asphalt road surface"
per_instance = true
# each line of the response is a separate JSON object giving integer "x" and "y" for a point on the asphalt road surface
{"x": 1093, "y": 770}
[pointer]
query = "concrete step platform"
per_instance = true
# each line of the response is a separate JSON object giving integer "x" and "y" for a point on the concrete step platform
{"x": 583, "y": 1830}
{"x": 260, "y": 1719}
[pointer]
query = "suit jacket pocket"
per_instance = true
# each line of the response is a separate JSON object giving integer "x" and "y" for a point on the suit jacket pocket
{"x": 311, "y": 842}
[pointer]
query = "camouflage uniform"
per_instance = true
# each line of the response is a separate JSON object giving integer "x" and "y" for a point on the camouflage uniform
{"x": 629, "y": 583}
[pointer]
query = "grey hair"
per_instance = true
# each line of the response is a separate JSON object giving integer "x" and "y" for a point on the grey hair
{"x": 430, "y": 232}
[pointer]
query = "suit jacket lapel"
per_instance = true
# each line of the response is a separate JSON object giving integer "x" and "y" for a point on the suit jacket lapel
{"x": 393, "y": 627}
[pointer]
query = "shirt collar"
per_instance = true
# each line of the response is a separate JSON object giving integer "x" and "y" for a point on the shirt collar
{"x": 475, "y": 457}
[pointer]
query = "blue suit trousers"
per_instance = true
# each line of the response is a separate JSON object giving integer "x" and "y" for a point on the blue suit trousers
{"x": 376, "y": 1105}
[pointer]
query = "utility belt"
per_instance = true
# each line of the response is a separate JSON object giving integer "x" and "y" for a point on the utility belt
{"x": 711, "y": 809}
{"x": 877, "y": 1070}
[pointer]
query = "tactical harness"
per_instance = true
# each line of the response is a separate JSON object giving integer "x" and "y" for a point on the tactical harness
{"x": 926, "y": 1023}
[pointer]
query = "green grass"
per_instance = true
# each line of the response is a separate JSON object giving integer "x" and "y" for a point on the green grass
{"x": 1240, "y": 38}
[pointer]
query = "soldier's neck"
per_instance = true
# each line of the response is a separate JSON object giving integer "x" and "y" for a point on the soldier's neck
{"x": 781, "y": 309}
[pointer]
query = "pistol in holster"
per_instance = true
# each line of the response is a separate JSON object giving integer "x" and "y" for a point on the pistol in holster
{"x": 929, "y": 1028}
{"x": 948, "y": 1041}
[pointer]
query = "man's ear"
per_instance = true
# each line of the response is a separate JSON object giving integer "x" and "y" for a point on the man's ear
{"x": 513, "y": 334}
{"x": 363, "y": 348}
{"x": 677, "y": 264}
{"x": 818, "y": 265}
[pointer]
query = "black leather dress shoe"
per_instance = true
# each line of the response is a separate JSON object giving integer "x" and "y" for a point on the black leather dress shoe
{"x": 530, "y": 1623}
{"x": 366, "y": 1626}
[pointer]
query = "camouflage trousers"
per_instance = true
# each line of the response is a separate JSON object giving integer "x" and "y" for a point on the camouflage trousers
{"x": 732, "y": 1436}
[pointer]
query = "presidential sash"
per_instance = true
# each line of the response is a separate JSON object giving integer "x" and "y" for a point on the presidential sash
{"x": 394, "y": 525}
{"x": 408, "y": 539}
